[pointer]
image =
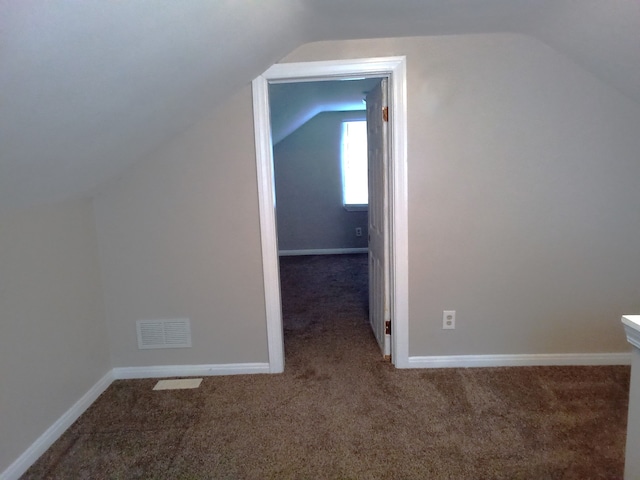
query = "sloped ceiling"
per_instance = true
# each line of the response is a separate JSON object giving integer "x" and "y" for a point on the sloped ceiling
{"x": 88, "y": 87}
{"x": 294, "y": 104}
{"x": 602, "y": 36}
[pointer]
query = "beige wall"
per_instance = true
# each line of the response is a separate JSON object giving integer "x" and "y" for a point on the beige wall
{"x": 523, "y": 204}
{"x": 523, "y": 211}
{"x": 53, "y": 345}
{"x": 179, "y": 238}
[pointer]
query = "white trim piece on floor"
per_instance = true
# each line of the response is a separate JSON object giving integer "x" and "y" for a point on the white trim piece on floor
{"x": 160, "y": 371}
{"x": 531, "y": 360}
{"x": 322, "y": 251}
{"x": 28, "y": 458}
{"x": 178, "y": 383}
{"x": 42, "y": 444}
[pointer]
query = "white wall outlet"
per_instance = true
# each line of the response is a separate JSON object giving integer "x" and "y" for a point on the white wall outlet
{"x": 449, "y": 320}
{"x": 358, "y": 232}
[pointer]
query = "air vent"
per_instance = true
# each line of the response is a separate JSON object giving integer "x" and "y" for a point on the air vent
{"x": 164, "y": 333}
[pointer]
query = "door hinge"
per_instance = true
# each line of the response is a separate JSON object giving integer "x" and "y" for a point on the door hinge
{"x": 387, "y": 327}
{"x": 385, "y": 114}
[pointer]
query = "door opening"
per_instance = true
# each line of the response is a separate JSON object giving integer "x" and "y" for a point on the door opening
{"x": 395, "y": 247}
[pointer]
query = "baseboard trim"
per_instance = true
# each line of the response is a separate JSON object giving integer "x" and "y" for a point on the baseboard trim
{"x": 560, "y": 359}
{"x": 321, "y": 251}
{"x": 42, "y": 444}
{"x": 24, "y": 461}
{"x": 31, "y": 454}
{"x": 161, "y": 371}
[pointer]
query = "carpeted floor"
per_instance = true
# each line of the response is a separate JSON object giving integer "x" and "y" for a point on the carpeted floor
{"x": 339, "y": 411}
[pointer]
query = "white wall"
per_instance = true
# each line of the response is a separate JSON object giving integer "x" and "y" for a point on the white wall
{"x": 523, "y": 211}
{"x": 53, "y": 345}
{"x": 308, "y": 179}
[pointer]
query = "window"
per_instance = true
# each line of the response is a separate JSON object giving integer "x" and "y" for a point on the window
{"x": 355, "y": 188}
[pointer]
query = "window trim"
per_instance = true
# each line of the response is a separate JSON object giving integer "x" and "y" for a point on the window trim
{"x": 356, "y": 207}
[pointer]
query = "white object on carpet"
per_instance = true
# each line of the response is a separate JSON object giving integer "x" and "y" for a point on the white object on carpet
{"x": 176, "y": 384}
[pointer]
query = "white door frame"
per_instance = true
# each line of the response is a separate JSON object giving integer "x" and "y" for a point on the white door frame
{"x": 395, "y": 69}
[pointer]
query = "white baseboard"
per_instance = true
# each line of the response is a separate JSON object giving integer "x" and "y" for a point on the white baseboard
{"x": 24, "y": 461}
{"x": 37, "y": 448}
{"x": 321, "y": 251}
{"x": 466, "y": 361}
{"x": 161, "y": 371}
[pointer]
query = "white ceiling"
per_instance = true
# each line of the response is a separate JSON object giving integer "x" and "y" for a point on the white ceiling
{"x": 88, "y": 87}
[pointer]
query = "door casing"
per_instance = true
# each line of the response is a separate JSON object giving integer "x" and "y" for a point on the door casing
{"x": 394, "y": 68}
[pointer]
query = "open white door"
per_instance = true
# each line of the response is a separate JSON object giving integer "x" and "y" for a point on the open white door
{"x": 378, "y": 151}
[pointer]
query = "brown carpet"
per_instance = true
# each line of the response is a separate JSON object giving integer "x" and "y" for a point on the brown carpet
{"x": 339, "y": 411}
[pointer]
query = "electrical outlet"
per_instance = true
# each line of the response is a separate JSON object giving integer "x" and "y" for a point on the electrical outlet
{"x": 449, "y": 320}
{"x": 358, "y": 232}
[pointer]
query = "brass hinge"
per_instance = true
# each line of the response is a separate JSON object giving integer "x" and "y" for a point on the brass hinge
{"x": 387, "y": 327}
{"x": 385, "y": 114}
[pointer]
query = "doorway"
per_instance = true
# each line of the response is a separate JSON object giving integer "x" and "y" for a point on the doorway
{"x": 394, "y": 69}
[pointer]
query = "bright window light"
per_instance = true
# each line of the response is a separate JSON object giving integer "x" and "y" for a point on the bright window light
{"x": 355, "y": 189}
